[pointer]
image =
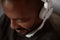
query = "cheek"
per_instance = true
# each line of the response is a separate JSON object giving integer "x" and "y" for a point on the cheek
{"x": 27, "y": 25}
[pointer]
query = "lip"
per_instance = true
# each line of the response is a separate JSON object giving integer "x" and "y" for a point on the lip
{"x": 21, "y": 32}
{"x": 18, "y": 31}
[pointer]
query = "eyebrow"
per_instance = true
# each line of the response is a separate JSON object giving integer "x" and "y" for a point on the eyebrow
{"x": 17, "y": 18}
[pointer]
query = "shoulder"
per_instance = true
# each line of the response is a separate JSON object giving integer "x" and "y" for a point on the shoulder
{"x": 55, "y": 21}
{"x": 50, "y": 36}
{"x": 4, "y": 21}
{"x": 1, "y": 20}
{"x": 55, "y": 18}
{"x": 3, "y": 26}
{"x": 48, "y": 33}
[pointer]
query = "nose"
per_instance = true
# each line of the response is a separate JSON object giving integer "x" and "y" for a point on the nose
{"x": 13, "y": 24}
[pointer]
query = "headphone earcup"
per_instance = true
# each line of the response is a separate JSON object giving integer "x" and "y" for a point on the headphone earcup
{"x": 44, "y": 11}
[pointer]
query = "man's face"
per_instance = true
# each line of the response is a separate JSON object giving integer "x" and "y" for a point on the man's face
{"x": 22, "y": 14}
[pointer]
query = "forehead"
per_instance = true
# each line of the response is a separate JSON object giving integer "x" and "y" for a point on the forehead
{"x": 19, "y": 1}
{"x": 11, "y": 0}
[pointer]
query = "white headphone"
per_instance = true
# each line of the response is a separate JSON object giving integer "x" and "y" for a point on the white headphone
{"x": 45, "y": 13}
{"x": 47, "y": 9}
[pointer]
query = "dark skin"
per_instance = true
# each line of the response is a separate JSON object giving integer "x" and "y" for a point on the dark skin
{"x": 23, "y": 14}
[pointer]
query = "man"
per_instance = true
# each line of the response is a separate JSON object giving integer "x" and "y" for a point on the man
{"x": 21, "y": 19}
